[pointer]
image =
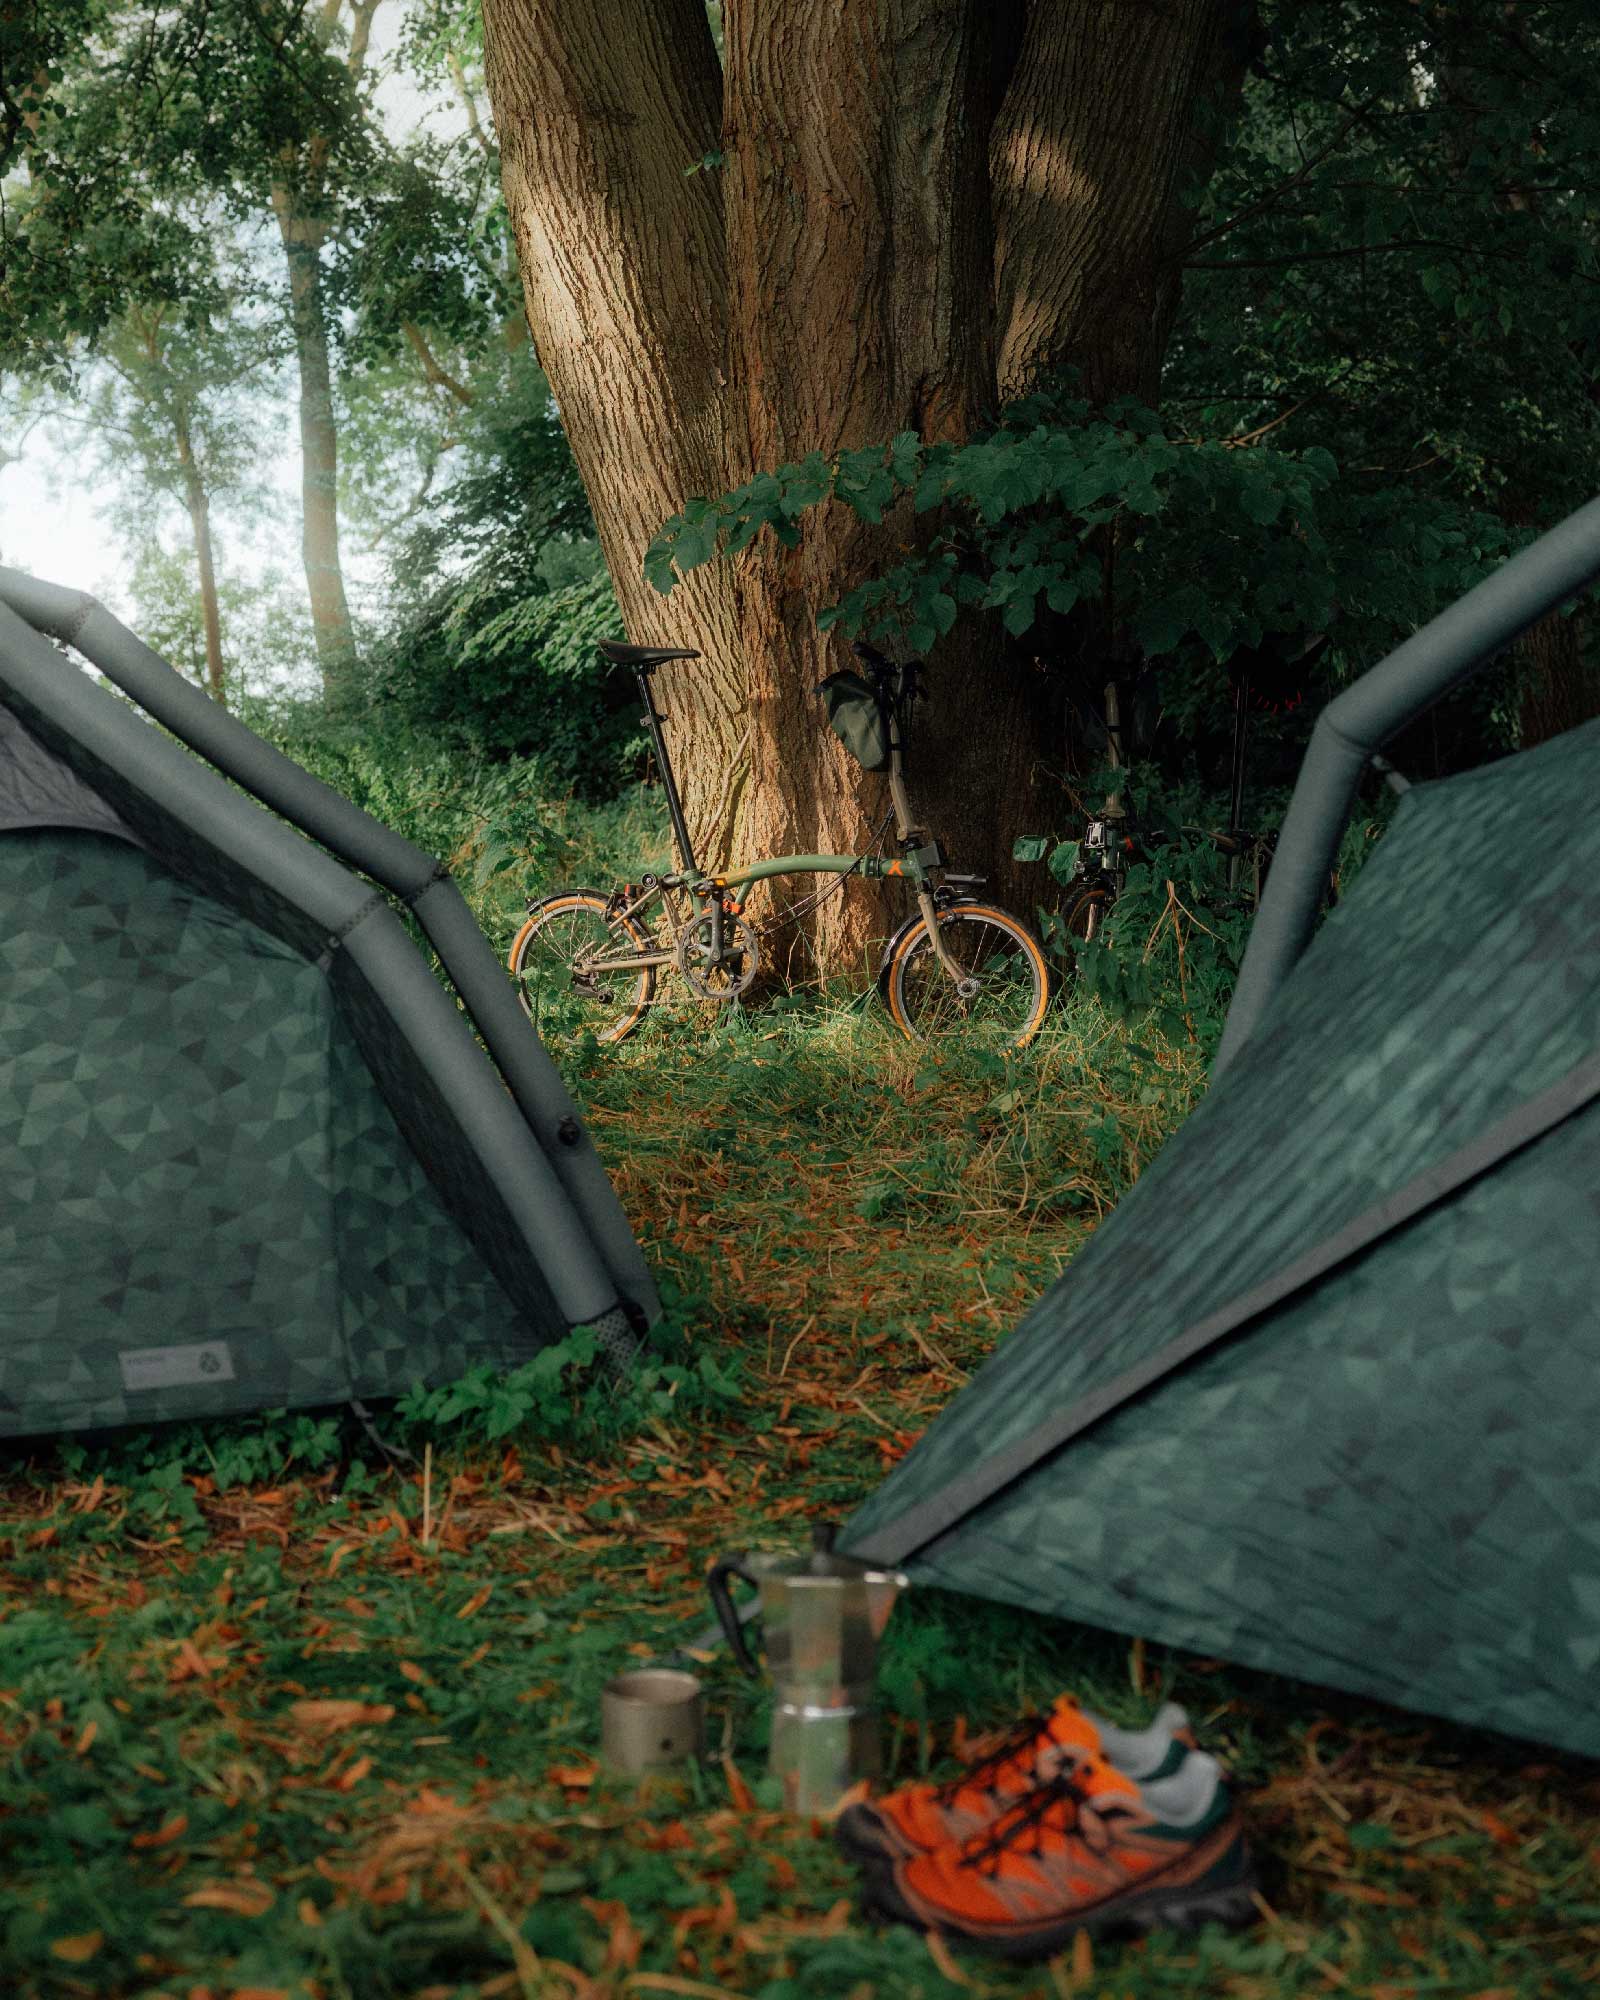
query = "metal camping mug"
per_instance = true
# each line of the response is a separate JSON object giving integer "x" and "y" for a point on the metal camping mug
{"x": 822, "y": 1616}
{"x": 650, "y": 1720}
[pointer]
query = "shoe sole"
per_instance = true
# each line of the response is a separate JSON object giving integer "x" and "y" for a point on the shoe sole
{"x": 860, "y": 1841}
{"x": 1231, "y": 1904}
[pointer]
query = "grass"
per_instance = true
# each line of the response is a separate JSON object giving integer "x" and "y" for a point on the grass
{"x": 279, "y": 1719}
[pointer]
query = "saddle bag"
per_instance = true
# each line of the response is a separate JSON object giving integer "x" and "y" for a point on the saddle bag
{"x": 858, "y": 719}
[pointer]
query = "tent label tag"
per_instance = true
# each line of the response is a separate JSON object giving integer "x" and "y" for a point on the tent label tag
{"x": 176, "y": 1367}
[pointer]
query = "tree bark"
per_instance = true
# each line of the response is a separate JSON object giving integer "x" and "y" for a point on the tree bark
{"x": 1560, "y": 688}
{"x": 199, "y": 505}
{"x": 1112, "y": 107}
{"x": 861, "y": 304}
{"x": 598, "y": 113}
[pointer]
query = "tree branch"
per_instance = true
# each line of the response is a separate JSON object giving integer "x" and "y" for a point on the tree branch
{"x": 432, "y": 367}
{"x": 1276, "y": 194}
{"x": 470, "y": 105}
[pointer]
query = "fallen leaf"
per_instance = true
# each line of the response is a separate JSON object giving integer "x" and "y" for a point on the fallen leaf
{"x": 164, "y": 1835}
{"x": 939, "y": 1952}
{"x": 411, "y": 1671}
{"x": 623, "y": 1943}
{"x": 246, "y": 1897}
{"x": 571, "y": 1777}
{"x": 86, "y": 1737}
{"x": 475, "y": 1602}
{"x": 348, "y": 1780}
{"x": 743, "y": 1798}
{"x": 78, "y": 1950}
{"x": 325, "y": 1716}
{"x": 190, "y": 1662}
{"x": 1498, "y": 1831}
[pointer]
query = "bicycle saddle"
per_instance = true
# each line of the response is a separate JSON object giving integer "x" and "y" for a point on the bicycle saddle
{"x": 643, "y": 657}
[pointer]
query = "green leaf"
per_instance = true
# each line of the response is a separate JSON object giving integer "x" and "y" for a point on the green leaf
{"x": 1030, "y": 847}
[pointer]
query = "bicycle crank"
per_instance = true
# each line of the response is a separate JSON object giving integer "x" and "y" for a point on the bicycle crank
{"x": 719, "y": 975}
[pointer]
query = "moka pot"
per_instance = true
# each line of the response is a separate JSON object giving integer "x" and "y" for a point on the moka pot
{"x": 822, "y": 1616}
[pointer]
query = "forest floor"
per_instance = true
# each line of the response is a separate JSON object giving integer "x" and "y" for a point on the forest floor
{"x": 283, "y": 1728}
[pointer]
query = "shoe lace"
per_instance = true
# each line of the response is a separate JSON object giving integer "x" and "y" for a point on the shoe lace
{"x": 981, "y": 1776}
{"x": 1024, "y": 1827}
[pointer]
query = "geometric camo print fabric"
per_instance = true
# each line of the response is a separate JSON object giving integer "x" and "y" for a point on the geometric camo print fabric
{"x": 194, "y": 1158}
{"x": 1391, "y": 1484}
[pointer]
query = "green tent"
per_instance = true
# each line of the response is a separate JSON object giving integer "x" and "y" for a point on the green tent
{"x": 1323, "y": 1394}
{"x": 254, "y": 1154}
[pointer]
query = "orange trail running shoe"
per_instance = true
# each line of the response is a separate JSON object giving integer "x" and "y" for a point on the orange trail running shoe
{"x": 1091, "y": 1850}
{"x": 920, "y": 1818}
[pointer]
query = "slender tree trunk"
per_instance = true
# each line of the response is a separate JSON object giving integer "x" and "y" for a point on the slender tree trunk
{"x": 1561, "y": 688}
{"x": 199, "y": 505}
{"x": 298, "y": 202}
{"x": 331, "y": 627}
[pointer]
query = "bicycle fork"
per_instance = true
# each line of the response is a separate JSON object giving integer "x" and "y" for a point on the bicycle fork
{"x": 966, "y": 986}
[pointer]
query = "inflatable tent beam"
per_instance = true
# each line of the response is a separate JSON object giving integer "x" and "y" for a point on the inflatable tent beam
{"x": 402, "y": 868}
{"x": 1355, "y": 726}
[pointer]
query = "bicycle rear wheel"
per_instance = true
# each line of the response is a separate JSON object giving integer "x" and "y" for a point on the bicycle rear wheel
{"x": 558, "y": 960}
{"x": 1001, "y": 961}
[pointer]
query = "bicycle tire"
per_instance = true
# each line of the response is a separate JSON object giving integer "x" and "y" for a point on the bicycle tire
{"x": 923, "y": 1002}
{"x": 1086, "y": 913}
{"x": 561, "y": 1012}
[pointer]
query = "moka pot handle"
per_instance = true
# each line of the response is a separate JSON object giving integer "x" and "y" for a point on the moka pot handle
{"x": 727, "y": 1617}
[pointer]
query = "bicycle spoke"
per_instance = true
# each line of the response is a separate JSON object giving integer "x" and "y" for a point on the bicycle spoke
{"x": 994, "y": 957}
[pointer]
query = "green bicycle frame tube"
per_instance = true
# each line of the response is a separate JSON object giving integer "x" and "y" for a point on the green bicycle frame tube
{"x": 871, "y": 868}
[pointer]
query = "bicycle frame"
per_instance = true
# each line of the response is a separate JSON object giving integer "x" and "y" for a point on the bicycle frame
{"x": 915, "y": 864}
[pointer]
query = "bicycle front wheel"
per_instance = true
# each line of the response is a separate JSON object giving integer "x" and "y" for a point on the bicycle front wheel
{"x": 1004, "y": 988}
{"x": 1087, "y": 912}
{"x": 564, "y": 962}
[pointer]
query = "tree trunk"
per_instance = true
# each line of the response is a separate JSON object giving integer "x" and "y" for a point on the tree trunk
{"x": 861, "y": 305}
{"x": 1560, "y": 687}
{"x": 834, "y": 285}
{"x": 331, "y": 628}
{"x": 598, "y": 113}
{"x": 199, "y": 504}
{"x": 298, "y": 202}
{"x": 1112, "y": 107}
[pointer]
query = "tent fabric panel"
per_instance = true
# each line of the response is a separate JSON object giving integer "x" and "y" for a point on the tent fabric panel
{"x": 1449, "y": 987}
{"x": 1528, "y": 1123}
{"x": 1392, "y": 1486}
{"x": 37, "y": 789}
{"x": 512, "y": 1295}
{"x": 164, "y": 1147}
{"x": 432, "y": 1125}
{"x": 199, "y": 1158}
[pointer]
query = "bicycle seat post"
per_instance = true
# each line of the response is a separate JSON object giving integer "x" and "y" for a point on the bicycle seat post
{"x": 652, "y": 720}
